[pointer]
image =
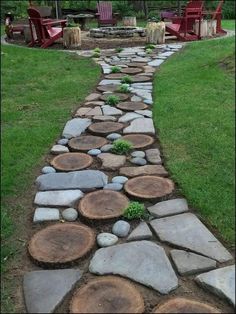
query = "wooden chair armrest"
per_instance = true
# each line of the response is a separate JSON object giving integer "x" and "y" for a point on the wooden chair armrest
{"x": 53, "y": 22}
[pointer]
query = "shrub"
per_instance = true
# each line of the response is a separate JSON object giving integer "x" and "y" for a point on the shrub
{"x": 96, "y": 55}
{"x": 149, "y": 46}
{"x": 126, "y": 80}
{"x": 97, "y": 50}
{"x": 148, "y": 51}
{"x": 135, "y": 210}
{"x": 119, "y": 49}
{"x": 121, "y": 147}
{"x": 112, "y": 100}
{"x": 115, "y": 69}
{"x": 124, "y": 88}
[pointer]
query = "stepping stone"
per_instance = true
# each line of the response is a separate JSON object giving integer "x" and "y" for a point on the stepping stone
{"x": 70, "y": 214}
{"x": 139, "y": 140}
{"x": 140, "y": 125}
{"x": 131, "y": 105}
{"x": 145, "y": 113}
{"x": 142, "y": 261}
{"x": 109, "y": 110}
{"x": 105, "y": 128}
{"x": 174, "y": 46}
{"x": 129, "y": 117}
{"x": 136, "y": 98}
{"x": 155, "y": 63}
{"x": 87, "y": 142}
{"x": 119, "y": 179}
{"x": 149, "y": 69}
{"x": 138, "y": 153}
{"x": 144, "y": 60}
{"x": 121, "y": 228}
{"x": 136, "y": 64}
{"x": 187, "y": 231}
{"x": 149, "y": 187}
{"x": 153, "y": 156}
{"x": 75, "y": 127}
{"x": 44, "y": 290}
{"x": 113, "y": 186}
{"x": 111, "y": 161}
{"x": 131, "y": 70}
{"x": 145, "y": 94}
{"x": 47, "y": 169}
{"x": 108, "y": 88}
{"x": 108, "y": 294}
{"x": 103, "y": 204}
{"x": 115, "y": 76}
{"x": 84, "y": 180}
{"x": 105, "y": 239}
{"x": 182, "y": 305}
{"x": 92, "y": 97}
{"x": 72, "y": 161}
{"x": 58, "y": 198}
{"x": 46, "y": 214}
{"x": 104, "y": 118}
{"x": 220, "y": 282}
{"x": 170, "y": 207}
{"x": 141, "y": 78}
{"x": 141, "y": 232}
{"x": 59, "y": 149}
{"x": 82, "y": 111}
{"x": 143, "y": 170}
{"x": 138, "y": 161}
{"x": 110, "y": 82}
{"x": 61, "y": 244}
{"x": 94, "y": 103}
{"x": 96, "y": 111}
{"x": 167, "y": 53}
{"x": 190, "y": 263}
{"x": 119, "y": 95}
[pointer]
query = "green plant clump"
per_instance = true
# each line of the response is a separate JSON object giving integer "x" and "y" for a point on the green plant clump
{"x": 149, "y": 46}
{"x": 112, "y": 100}
{"x": 97, "y": 50}
{"x": 115, "y": 69}
{"x": 126, "y": 79}
{"x": 121, "y": 147}
{"x": 119, "y": 49}
{"x": 96, "y": 55}
{"x": 124, "y": 88}
{"x": 148, "y": 51}
{"x": 134, "y": 210}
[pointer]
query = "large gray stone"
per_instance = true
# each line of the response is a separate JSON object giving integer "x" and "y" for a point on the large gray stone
{"x": 145, "y": 113}
{"x": 153, "y": 156}
{"x": 109, "y": 82}
{"x": 170, "y": 207}
{"x": 141, "y": 232}
{"x": 75, "y": 127}
{"x": 44, "y": 290}
{"x": 58, "y": 198}
{"x": 111, "y": 111}
{"x": 140, "y": 125}
{"x": 46, "y": 214}
{"x": 155, "y": 63}
{"x": 145, "y": 94}
{"x": 142, "y": 261}
{"x": 220, "y": 282}
{"x": 84, "y": 180}
{"x": 187, "y": 231}
{"x": 190, "y": 263}
{"x": 129, "y": 117}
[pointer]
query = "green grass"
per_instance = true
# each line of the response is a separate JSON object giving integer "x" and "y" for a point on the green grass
{"x": 194, "y": 113}
{"x": 228, "y": 24}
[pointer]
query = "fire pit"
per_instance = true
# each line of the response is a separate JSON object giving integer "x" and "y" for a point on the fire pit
{"x": 114, "y": 32}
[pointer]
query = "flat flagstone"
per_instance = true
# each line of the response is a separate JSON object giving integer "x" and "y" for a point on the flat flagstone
{"x": 75, "y": 127}
{"x": 110, "y": 82}
{"x": 141, "y": 232}
{"x": 96, "y": 111}
{"x": 153, "y": 156}
{"x": 84, "y": 180}
{"x": 109, "y": 110}
{"x": 44, "y": 290}
{"x": 167, "y": 53}
{"x": 155, "y": 63}
{"x": 112, "y": 161}
{"x": 107, "y": 88}
{"x": 59, "y": 149}
{"x": 145, "y": 94}
{"x": 187, "y": 231}
{"x": 58, "y": 198}
{"x": 140, "y": 125}
{"x": 142, "y": 261}
{"x": 167, "y": 208}
{"x": 145, "y": 113}
{"x": 129, "y": 116}
{"x": 136, "y": 98}
{"x": 92, "y": 97}
{"x": 46, "y": 214}
{"x": 94, "y": 103}
{"x": 82, "y": 111}
{"x": 104, "y": 118}
{"x": 143, "y": 170}
{"x": 220, "y": 282}
{"x": 190, "y": 263}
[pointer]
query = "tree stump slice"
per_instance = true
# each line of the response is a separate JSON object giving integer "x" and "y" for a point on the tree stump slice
{"x": 107, "y": 88}
{"x": 115, "y": 76}
{"x": 129, "y": 21}
{"x": 105, "y": 128}
{"x": 109, "y": 294}
{"x": 141, "y": 78}
{"x": 131, "y": 105}
{"x": 139, "y": 140}
{"x": 136, "y": 64}
{"x": 121, "y": 96}
{"x": 131, "y": 70}
{"x": 155, "y": 33}
{"x": 72, "y": 161}
{"x": 71, "y": 37}
{"x": 103, "y": 204}
{"x": 87, "y": 142}
{"x": 61, "y": 244}
{"x": 149, "y": 187}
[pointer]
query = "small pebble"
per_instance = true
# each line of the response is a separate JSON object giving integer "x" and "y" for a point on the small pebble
{"x": 63, "y": 141}
{"x": 113, "y": 136}
{"x": 119, "y": 179}
{"x": 94, "y": 152}
{"x": 70, "y": 214}
{"x": 59, "y": 149}
{"x": 113, "y": 186}
{"x": 138, "y": 161}
{"x": 121, "y": 228}
{"x": 48, "y": 169}
{"x": 105, "y": 239}
{"x": 106, "y": 148}
{"x": 138, "y": 153}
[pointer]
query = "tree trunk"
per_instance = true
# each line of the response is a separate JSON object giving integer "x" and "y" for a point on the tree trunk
{"x": 71, "y": 37}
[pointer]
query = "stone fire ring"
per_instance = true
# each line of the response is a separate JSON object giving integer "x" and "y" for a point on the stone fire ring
{"x": 113, "y": 32}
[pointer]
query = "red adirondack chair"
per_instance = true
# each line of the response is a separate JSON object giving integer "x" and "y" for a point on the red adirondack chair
{"x": 104, "y": 15}
{"x": 46, "y": 33}
{"x": 182, "y": 26}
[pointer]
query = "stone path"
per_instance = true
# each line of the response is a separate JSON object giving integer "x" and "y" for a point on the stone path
{"x": 89, "y": 186}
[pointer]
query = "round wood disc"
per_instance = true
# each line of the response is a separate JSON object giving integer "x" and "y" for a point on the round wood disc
{"x": 107, "y": 294}
{"x": 87, "y": 142}
{"x": 103, "y": 204}
{"x": 182, "y": 305}
{"x": 136, "y": 64}
{"x": 107, "y": 88}
{"x": 61, "y": 243}
{"x": 141, "y": 78}
{"x": 139, "y": 140}
{"x": 149, "y": 187}
{"x": 115, "y": 76}
{"x": 131, "y": 70}
{"x": 105, "y": 127}
{"x": 121, "y": 96}
{"x": 131, "y": 105}
{"x": 72, "y": 161}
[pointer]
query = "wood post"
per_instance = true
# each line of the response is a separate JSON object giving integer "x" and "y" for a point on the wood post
{"x": 129, "y": 21}
{"x": 71, "y": 37}
{"x": 155, "y": 33}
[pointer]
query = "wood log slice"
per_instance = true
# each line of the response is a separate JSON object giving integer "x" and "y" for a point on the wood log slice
{"x": 105, "y": 128}
{"x": 132, "y": 105}
{"x": 61, "y": 244}
{"x": 141, "y": 78}
{"x": 139, "y": 140}
{"x": 108, "y": 294}
{"x": 72, "y": 161}
{"x": 115, "y": 76}
{"x": 107, "y": 88}
{"x": 136, "y": 64}
{"x": 87, "y": 142}
{"x": 103, "y": 204}
{"x": 149, "y": 187}
{"x": 121, "y": 96}
{"x": 131, "y": 70}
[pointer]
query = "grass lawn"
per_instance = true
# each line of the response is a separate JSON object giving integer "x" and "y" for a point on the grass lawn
{"x": 194, "y": 114}
{"x": 228, "y": 24}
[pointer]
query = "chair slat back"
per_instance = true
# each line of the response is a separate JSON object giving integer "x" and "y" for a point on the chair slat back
{"x": 36, "y": 20}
